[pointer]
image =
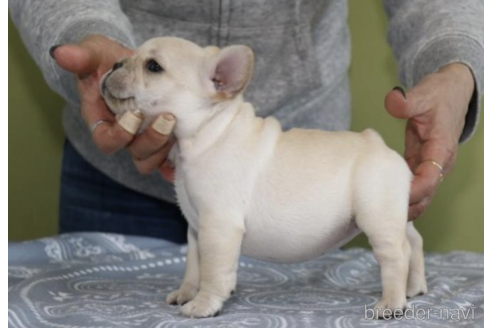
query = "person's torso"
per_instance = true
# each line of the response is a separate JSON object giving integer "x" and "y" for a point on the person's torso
{"x": 294, "y": 41}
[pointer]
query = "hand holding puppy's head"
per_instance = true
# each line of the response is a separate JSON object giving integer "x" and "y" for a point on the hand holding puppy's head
{"x": 177, "y": 76}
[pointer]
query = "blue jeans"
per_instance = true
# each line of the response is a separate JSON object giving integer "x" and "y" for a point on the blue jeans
{"x": 91, "y": 201}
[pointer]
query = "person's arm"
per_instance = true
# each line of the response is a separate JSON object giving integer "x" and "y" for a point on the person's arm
{"x": 46, "y": 23}
{"x": 439, "y": 47}
{"x": 428, "y": 35}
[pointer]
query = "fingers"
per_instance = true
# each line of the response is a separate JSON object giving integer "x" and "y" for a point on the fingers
{"x": 396, "y": 103}
{"x": 427, "y": 175}
{"x": 150, "y": 149}
{"x": 429, "y": 160}
{"x": 155, "y": 161}
{"x": 89, "y": 60}
{"x": 425, "y": 182}
{"x": 153, "y": 138}
{"x": 413, "y": 146}
{"x": 111, "y": 137}
{"x": 415, "y": 211}
{"x": 130, "y": 121}
{"x": 424, "y": 186}
{"x": 430, "y": 144}
{"x": 427, "y": 179}
{"x": 83, "y": 61}
{"x": 77, "y": 59}
{"x": 406, "y": 105}
{"x": 167, "y": 171}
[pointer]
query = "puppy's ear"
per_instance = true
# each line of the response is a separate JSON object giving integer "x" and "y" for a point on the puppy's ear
{"x": 232, "y": 70}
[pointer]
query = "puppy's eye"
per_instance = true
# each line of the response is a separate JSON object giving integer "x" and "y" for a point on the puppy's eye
{"x": 154, "y": 67}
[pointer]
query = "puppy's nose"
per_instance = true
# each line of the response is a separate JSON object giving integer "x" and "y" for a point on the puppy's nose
{"x": 117, "y": 65}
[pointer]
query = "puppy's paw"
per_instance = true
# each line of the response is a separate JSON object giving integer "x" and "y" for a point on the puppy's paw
{"x": 202, "y": 306}
{"x": 416, "y": 288}
{"x": 390, "y": 308}
{"x": 184, "y": 294}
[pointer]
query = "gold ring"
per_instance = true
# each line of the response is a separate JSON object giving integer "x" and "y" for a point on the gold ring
{"x": 439, "y": 166}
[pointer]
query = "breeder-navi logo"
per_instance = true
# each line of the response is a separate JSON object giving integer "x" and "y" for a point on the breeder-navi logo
{"x": 421, "y": 314}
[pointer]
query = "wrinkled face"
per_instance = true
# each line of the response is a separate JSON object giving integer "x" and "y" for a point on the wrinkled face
{"x": 171, "y": 75}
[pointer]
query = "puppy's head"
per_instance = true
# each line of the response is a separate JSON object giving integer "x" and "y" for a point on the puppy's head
{"x": 177, "y": 76}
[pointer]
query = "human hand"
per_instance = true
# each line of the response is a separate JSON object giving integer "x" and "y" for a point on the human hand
{"x": 89, "y": 61}
{"x": 435, "y": 111}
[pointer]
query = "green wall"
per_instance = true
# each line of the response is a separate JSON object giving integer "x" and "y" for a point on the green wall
{"x": 35, "y": 144}
{"x": 454, "y": 220}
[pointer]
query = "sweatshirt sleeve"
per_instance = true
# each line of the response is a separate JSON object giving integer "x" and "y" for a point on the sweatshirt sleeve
{"x": 427, "y": 35}
{"x": 45, "y": 23}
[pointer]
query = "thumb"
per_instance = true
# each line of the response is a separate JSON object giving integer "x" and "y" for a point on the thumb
{"x": 77, "y": 59}
{"x": 399, "y": 105}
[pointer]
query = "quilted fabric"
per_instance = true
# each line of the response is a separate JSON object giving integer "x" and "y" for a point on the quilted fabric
{"x": 104, "y": 280}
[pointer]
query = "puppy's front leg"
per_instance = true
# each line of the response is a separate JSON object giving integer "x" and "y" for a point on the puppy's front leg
{"x": 191, "y": 281}
{"x": 219, "y": 243}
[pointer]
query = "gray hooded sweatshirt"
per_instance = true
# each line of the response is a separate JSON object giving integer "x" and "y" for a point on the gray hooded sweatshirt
{"x": 302, "y": 50}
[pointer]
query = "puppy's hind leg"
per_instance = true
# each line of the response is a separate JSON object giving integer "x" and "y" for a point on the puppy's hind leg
{"x": 391, "y": 248}
{"x": 189, "y": 287}
{"x": 381, "y": 211}
{"x": 417, "y": 283}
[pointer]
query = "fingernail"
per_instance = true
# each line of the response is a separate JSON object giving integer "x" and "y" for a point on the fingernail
{"x": 138, "y": 114}
{"x": 164, "y": 124}
{"x": 401, "y": 91}
{"x": 169, "y": 117}
{"x": 130, "y": 121}
{"x": 52, "y": 50}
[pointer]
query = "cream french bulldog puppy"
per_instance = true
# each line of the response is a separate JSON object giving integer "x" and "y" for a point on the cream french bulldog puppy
{"x": 247, "y": 187}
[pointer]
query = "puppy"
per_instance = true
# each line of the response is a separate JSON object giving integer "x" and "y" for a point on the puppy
{"x": 247, "y": 187}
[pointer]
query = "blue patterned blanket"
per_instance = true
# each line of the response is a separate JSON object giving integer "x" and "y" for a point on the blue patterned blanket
{"x": 104, "y": 280}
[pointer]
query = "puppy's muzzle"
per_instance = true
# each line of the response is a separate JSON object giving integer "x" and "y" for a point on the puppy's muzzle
{"x": 116, "y": 66}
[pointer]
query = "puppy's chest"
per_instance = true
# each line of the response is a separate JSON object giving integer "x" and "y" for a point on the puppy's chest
{"x": 210, "y": 186}
{"x": 186, "y": 199}
{"x": 197, "y": 189}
